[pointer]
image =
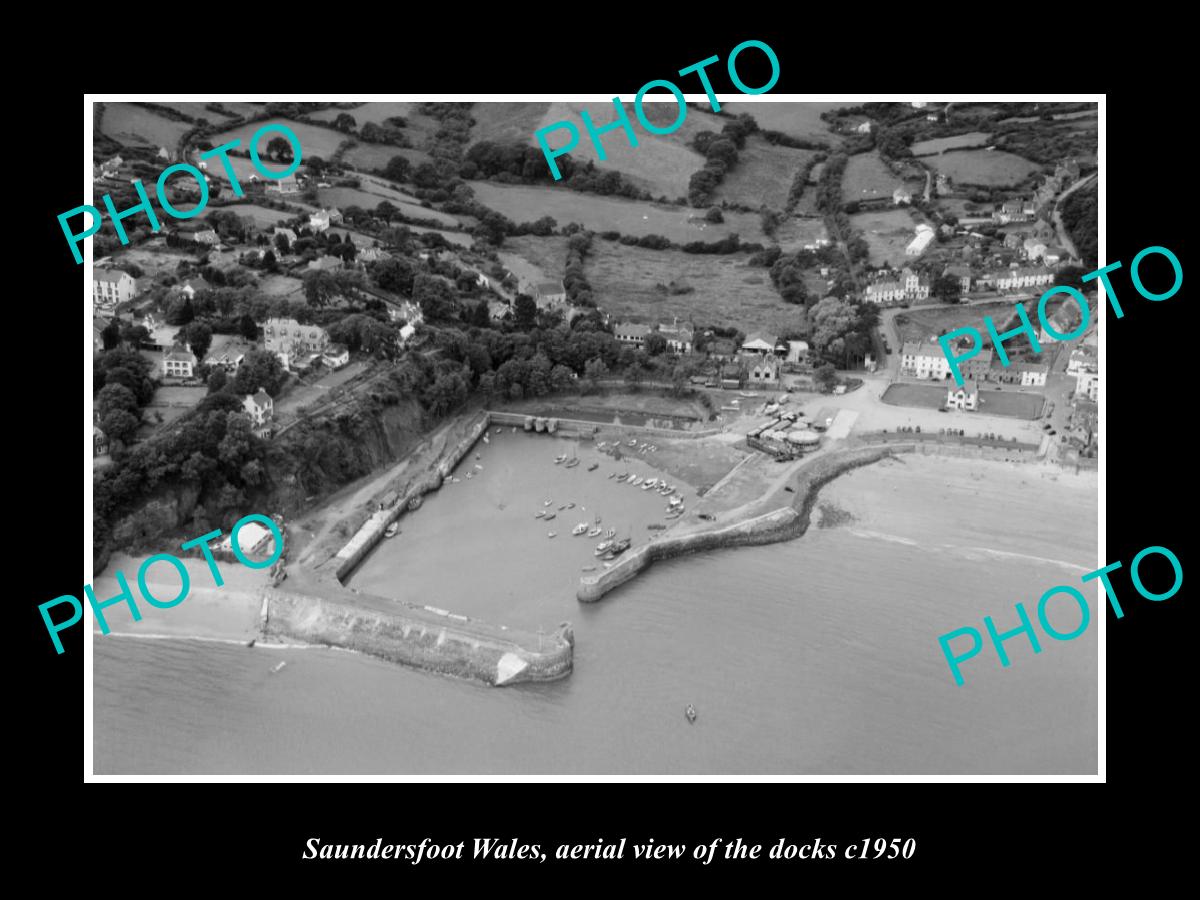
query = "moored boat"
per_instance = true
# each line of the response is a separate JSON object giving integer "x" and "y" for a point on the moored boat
{"x": 602, "y": 547}
{"x": 551, "y": 534}
{"x": 571, "y": 463}
{"x": 579, "y": 529}
{"x": 539, "y": 513}
{"x": 547, "y": 502}
{"x": 593, "y": 467}
{"x": 391, "y": 530}
{"x": 549, "y": 516}
{"x": 595, "y": 532}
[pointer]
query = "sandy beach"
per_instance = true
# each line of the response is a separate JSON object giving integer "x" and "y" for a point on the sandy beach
{"x": 227, "y": 612}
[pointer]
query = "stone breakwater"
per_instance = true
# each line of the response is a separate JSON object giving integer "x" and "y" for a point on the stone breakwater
{"x": 371, "y": 532}
{"x": 781, "y": 524}
{"x": 421, "y": 636}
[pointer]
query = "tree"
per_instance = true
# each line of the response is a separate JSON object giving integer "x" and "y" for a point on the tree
{"x": 247, "y": 327}
{"x": 270, "y": 262}
{"x": 435, "y": 297}
{"x": 826, "y": 376}
{"x": 392, "y": 274}
{"x": 111, "y": 334}
{"x": 479, "y": 316}
{"x": 279, "y": 148}
{"x": 114, "y": 397}
{"x": 217, "y": 381}
{"x": 199, "y": 338}
{"x": 119, "y": 425}
{"x": 259, "y": 369}
{"x": 344, "y": 122}
{"x": 714, "y": 215}
{"x": 525, "y": 311}
{"x": 133, "y": 334}
{"x": 179, "y": 311}
{"x": 397, "y": 169}
{"x": 946, "y": 288}
{"x": 655, "y": 344}
{"x": 282, "y": 245}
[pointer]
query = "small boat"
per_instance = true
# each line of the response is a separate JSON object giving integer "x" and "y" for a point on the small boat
{"x": 602, "y": 547}
{"x": 279, "y": 665}
{"x": 656, "y": 526}
{"x": 456, "y": 480}
{"x": 561, "y": 458}
{"x": 593, "y": 467}
{"x": 595, "y": 532}
{"x": 571, "y": 463}
{"x": 469, "y": 474}
{"x": 549, "y": 516}
{"x": 547, "y": 502}
{"x": 608, "y": 565}
{"x": 609, "y": 556}
{"x": 579, "y": 529}
{"x": 477, "y": 456}
{"x": 612, "y": 532}
{"x": 649, "y": 485}
{"x": 478, "y": 466}
{"x": 551, "y": 534}
{"x": 612, "y": 474}
{"x": 588, "y": 569}
{"x": 619, "y": 546}
{"x": 690, "y": 713}
{"x": 562, "y": 507}
{"x": 485, "y": 439}
{"x": 571, "y": 505}
{"x": 675, "y": 501}
{"x": 636, "y": 479}
{"x": 674, "y": 514}
{"x": 539, "y": 513}
{"x": 633, "y": 442}
{"x": 391, "y": 530}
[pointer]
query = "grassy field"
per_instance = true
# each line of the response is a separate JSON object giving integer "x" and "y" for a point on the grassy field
{"x": 802, "y": 120}
{"x": 133, "y": 125}
{"x": 918, "y": 324}
{"x": 260, "y": 215}
{"x": 195, "y": 109}
{"x": 991, "y": 168}
{"x": 887, "y": 233}
{"x": 939, "y": 145}
{"x": 507, "y": 122}
{"x": 797, "y": 231}
{"x": 171, "y": 401}
{"x": 534, "y": 259}
{"x": 867, "y": 178}
{"x": 763, "y": 174}
{"x": 243, "y": 168}
{"x": 372, "y": 157}
{"x": 374, "y": 111}
{"x": 992, "y": 403}
{"x": 341, "y": 197}
{"x": 314, "y": 141}
{"x": 282, "y": 286}
{"x": 677, "y": 223}
{"x": 660, "y": 164}
{"x": 727, "y": 291}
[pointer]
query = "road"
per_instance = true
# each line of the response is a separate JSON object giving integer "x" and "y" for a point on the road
{"x": 1064, "y": 239}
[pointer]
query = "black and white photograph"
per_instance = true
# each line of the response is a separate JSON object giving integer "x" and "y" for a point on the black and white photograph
{"x": 659, "y": 437}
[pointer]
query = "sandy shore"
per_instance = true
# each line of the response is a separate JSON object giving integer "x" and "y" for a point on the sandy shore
{"x": 228, "y": 612}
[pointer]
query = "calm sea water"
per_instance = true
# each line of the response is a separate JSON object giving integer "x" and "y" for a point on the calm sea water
{"x": 814, "y": 656}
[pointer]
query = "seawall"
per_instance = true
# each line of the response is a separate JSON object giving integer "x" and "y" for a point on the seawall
{"x": 423, "y": 637}
{"x": 780, "y": 524}
{"x": 371, "y": 531}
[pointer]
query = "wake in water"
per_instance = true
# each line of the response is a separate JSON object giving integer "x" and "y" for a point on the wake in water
{"x": 967, "y": 552}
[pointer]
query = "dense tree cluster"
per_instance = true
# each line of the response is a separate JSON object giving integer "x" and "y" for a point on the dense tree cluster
{"x": 840, "y": 331}
{"x": 517, "y": 163}
{"x": 578, "y": 288}
{"x": 1080, "y": 219}
{"x": 720, "y": 152}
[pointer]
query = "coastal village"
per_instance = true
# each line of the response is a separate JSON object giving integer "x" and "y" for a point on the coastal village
{"x": 337, "y": 344}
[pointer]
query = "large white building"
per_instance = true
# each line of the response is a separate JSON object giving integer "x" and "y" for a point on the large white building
{"x": 289, "y": 340}
{"x": 112, "y": 286}
{"x": 965, "y": 397}
{"x": 925, "y": 235}
{"x": 924, "y": 360}
{"x": 1088, "y": 385}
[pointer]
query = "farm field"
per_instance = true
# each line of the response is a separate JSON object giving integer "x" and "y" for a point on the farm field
{"x": 660, "y": 164}
{"x": 511, "y": 122}
{"x": 887, "y": 233}
{"x": 195, "y": 109}
{"x": 260, "y": 215}
{"x": 134, "y": 125}
{"x": 374, "y": 111}
{"x": 797, "y": 231}
{"x": 242, "y": 168}
{"x": 375, "y": 157}
{"x": 533, "y": 259}
{"x": 990, "y": 168}
{"x": 677, "y": 223}
{"x": 314, "y": 141}
{"x": 867, "y": 178}
{"x": 727, "y": 292}
{"x": 152, "y": 258}
{"x": 763, "y": 174}
{"x": 802, "y": 120}
{"x": 992, "y": 403}
{"x": 341, "y": 197}
{"x": 171, "y": 402}
{"x": 939, "y": 145}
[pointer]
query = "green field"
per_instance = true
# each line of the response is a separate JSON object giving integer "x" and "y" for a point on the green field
{"x": 939, "y": 145}
{"x": 802, "y": 120}
{"x": 797, "y": 231}
{"x": 763, "y": 174}
{"x": 260, "y": 215}
{"x": 676, "y": 223}
{"x": 374, "y": 111}
{"x": 887, "y": 233}
{"x": 314, "y": 141}
{"x": 919, "y": 324}
{"x": 727, "y": 292}
{"x": 375, "y": 157}
{"x": 990, "y": 168}
{"x": 282, "y": 286}
{"x": 342, "y": 197}
{"x": 534, "y": 259}
{"x": 867, "y": 178}
{"x": 134, "y": 125}
{"x": 1014, "y": 404}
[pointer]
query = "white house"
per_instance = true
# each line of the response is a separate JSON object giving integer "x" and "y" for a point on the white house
{"x": 864, "y": 128}
{"x": 498, "y": 311}
{"x": 286, "y": 185}
{"x": 965, "y": 397}
{"x": 764, "y": 370}
{"x": 319, "y": 221}
{"x": 179, "y": 362}
{"x": 631, "y": 333}
{"x": 915, "y": 287}
{"x": 112, "y": 286}
{"x": 260, "y": 407}
{"x": 288, "y": 339}
{"x": 923, "y": 360}
{"x": 679, "y": 337}
{"x": 1082, "y": 360}
{"x": 1088, "y": 386}
{"x": 796, "y": 350}
{"x": 1029, "y": 276}
{"x": 900, "y": 196}
{"x": 888, "y": 291}
{"x": 336, "y": 356}
{"x": 760, "y": 342}
{"x": 924, "y": 237}
{"x": 1033, "y": 374}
